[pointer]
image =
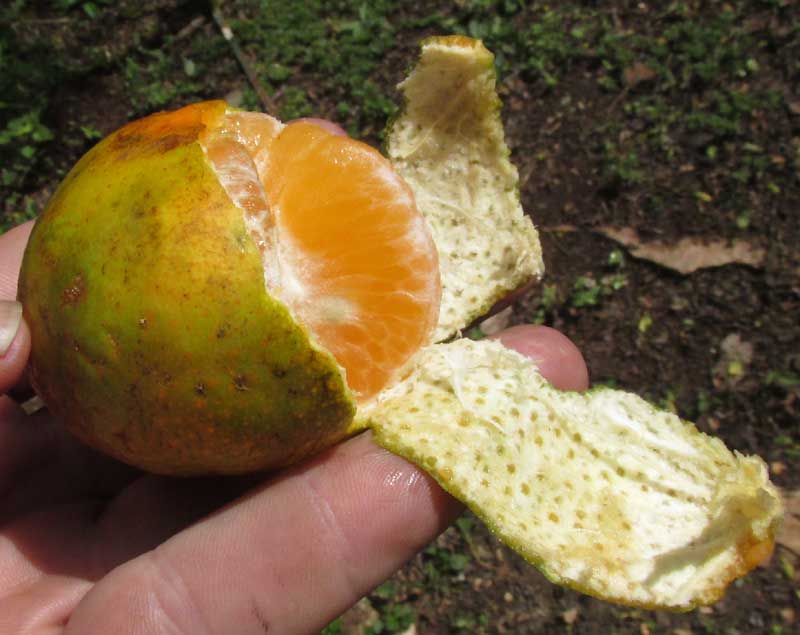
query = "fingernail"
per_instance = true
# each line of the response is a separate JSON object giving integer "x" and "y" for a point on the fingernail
{"x": 10, "y": 319}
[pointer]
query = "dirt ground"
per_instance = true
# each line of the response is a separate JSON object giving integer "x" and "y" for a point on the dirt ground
{"x": 627, "y": 184}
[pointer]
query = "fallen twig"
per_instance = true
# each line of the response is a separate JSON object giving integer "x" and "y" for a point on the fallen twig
{"x": 267, "y": 104}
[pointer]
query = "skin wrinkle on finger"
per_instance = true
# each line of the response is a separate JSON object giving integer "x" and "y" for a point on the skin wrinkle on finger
{"x": 17, "y": 573}
{"x": 152, "y": 598}
{"x": 342, "y": 549}
{"x": 168, "y": 577}
{"x": 8, "y": 284}
{"x": 43, "y": 610}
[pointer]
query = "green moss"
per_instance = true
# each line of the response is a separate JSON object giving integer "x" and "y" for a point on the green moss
{"x": 338, "y": 46}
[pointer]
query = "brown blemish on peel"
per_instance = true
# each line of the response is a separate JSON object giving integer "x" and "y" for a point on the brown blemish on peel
{"x": 73, "y": 294}
{"x": 176, "y": 140}
{"x": 240, "y": 383}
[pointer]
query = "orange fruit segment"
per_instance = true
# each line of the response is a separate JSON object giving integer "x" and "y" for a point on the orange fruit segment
{"x": 342, "y": 241}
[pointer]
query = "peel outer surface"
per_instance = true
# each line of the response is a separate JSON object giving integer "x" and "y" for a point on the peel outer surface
{"x": 599, "y": 490}
{"x": 154, "y": 339}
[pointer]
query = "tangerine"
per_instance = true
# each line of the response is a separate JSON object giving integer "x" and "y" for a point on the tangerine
{"x": 210, "y": 290}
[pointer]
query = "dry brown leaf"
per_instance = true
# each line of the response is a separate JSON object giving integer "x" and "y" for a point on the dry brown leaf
{"x": 789, "y": 535}
{"x": 688, "y": 254}
{"x": 570, "y": 615}
{"x": 638, "y": 73}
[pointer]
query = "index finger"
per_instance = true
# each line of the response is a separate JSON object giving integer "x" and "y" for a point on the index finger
{"x": 12, "y": 246}
{"x": 14, "y": 334}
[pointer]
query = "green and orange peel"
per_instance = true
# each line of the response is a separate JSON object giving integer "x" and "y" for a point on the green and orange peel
{"x": 156, "y": 339}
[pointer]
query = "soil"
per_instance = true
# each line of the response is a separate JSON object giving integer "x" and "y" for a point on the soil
{"x": 721, "y": 346}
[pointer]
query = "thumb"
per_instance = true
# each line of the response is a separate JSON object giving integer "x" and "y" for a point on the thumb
{"x": 15, "y": 341}
{"x": 15, "y": 344}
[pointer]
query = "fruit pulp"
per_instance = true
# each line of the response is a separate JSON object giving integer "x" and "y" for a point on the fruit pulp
{"x": 342, "y": 242}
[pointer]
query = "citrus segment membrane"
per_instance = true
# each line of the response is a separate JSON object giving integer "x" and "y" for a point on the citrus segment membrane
{"x": 342, "y": 242}
{"x": 449, "y": 146}
{"x": 238, "y": 149}
{"x": 599, "y": 490}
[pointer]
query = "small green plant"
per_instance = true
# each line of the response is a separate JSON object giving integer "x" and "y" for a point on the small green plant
{"x": 22, "y": 139}
{"x": 441, "y": 562}
{"x": 385, "y": 591}
{"x": 294, "y": 104}
{"x": 743, "y": 219}
{"x": 465, "y": 525}
{"x": 18, "y": 210}
{"x": 475, "y": 333}
{"x": 338, "y": 46}
{"x": 790, "y": 446}
{"x": 616, "y": 258}
{"x": 669, "y": 401}
{"x": 334, "y": 628}
{"x": 468, "y": 623}
{"x": 645, "y": 322}
{"x": 787, "y": 568}
{"x": 705, "y": 402}
{"x": 588, "y": 292}
{"x": 783, "y": 379}
{"x": 622, "y": 164}
{"x": 548, "y": 300}
{"x": 153, "y": 81}
{"x": 394, "y": 618}
{"x": 91, "y": 133}
{"x": 91, "y": 9}
{"x": 585, "y": 292}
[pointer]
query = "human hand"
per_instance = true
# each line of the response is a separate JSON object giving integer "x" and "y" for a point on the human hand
{"x": 91, "y": 546}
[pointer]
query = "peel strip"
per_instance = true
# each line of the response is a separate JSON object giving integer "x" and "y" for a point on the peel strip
{"x": 600, "y": 490}
{"x": 449, "y": 146}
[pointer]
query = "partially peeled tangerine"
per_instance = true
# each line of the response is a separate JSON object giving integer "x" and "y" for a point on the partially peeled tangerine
{"x": 168, "y": 331}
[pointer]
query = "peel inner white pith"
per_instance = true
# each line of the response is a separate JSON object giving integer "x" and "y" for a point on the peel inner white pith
{"x": 238, "y": 159}
{"x": 449, "y": 146}
{"x": 600, "y": 490}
